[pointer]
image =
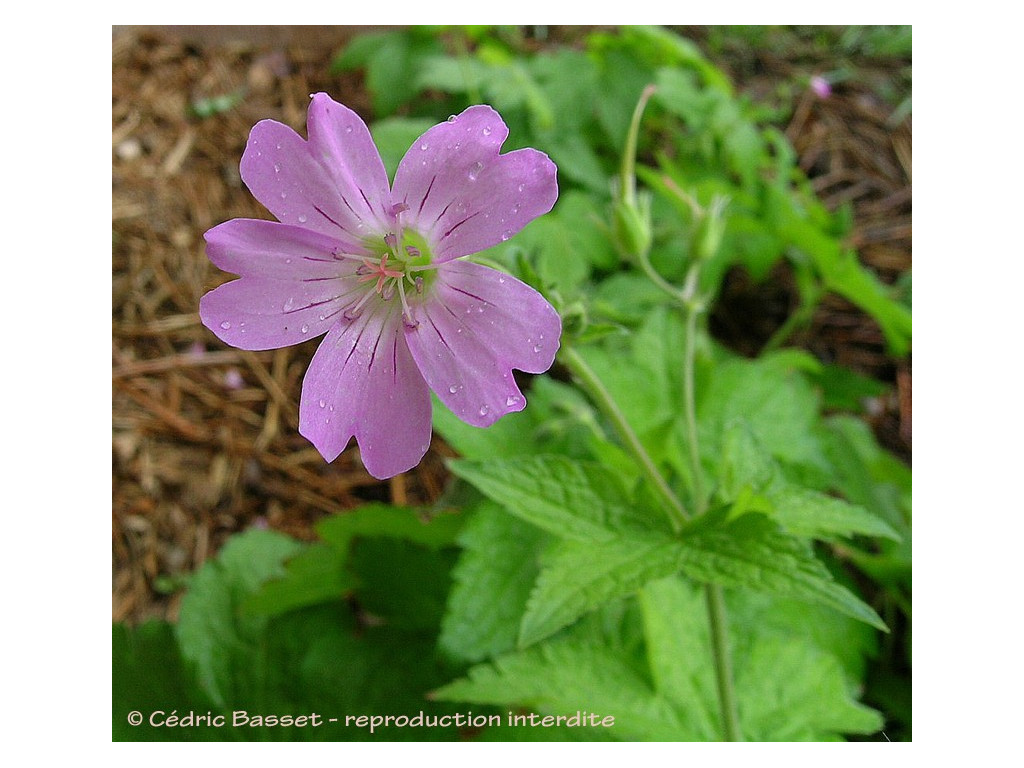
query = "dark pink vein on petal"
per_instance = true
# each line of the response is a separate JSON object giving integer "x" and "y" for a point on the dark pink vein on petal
{"x": 430, "y": 186}
{"x": 459, "y": 224}
{"x": 471, "y": 295}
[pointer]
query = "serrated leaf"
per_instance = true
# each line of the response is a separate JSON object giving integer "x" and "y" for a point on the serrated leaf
{"x": 746, "y": 468}
{"x": 315, "y": 575}
{"x": 570, "y": 499}
{"x": 491, "y": 584}
{"x": 752, "y": 552}
{"x": 792, "y": 693}
{"x": 774, "y": 399}
{"x": 305, "y": 660}
{"x": 577, "y": 577}
{"x": 853, "y": 643}
{"x": 787, "y": 685}
{"x": 570, "y": 676}
{"x": 210, "y": 615}
{"x": 809, "y": 513}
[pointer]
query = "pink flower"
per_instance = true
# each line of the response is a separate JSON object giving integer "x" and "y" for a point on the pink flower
{"x": 378, "y": 269}
{"x": 821, "y": 87}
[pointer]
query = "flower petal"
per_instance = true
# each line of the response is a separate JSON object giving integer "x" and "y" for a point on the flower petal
{"x": 287, "y": 179}
{"x": 516, "y": 321}
{"x": 340, "y": 140}
{"x": 363, "y": 382}
{"x": 271, "y": 309}
{"x": 462, "y": 194}
{"x": 269, "y": 249}
{"x": 477, "y": 326}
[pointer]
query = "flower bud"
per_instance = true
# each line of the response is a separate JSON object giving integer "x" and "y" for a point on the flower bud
{"x": 631, "y": 223}
{"x": 710, "y": 228}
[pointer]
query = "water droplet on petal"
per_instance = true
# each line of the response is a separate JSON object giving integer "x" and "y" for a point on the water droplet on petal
{"x": 348, "y": 129}
{"x": 304, "y": 329}
{"x": 475, "y": 170}
{"x": 289, "y": 304}
{"x": 521, "y": 187}
{"x": 484, "y": 410}
{"x": 511, "y": 400}
{"x": 501, "y": 280}
{"x": 424, "y": 146}
{"x": 453, "y": 388}
{"x": 284, "y": 195}
{"x": 302, "y": 218}
{"x": 225, "y": 325}
{"x": 451, "y": 118}
{"x": 323, "y": 404}
{"x": 277, "y": 168}
{"x": 505, "y": 236}
{"x": 536, "y": 347}
{"x": 487, "y": 130}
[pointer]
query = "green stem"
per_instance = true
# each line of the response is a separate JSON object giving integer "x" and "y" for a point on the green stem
{"x": 723, "y": 664}
{"x": 589, "y": 380}
{"x": 713, "y": 596}
{"x": 690, "y": 405}
{"x": 627, "y": 172}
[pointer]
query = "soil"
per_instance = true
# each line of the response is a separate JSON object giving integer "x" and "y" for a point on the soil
{"x": 205, "y": 438}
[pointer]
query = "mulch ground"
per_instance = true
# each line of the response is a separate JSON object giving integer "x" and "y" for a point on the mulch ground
{"x": 205, "y": 437}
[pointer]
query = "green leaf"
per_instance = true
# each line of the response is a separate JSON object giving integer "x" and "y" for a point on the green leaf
{"x": 148, "y": 676}
{"x": 392, "y": 60}
{"x": 405, "y": 584}
{"x": 212, "y": 617}
{"x": 846, "y": 390}
{"x": 315, "y": 575}
{"x": 751, "y": 552}
{"x": 678, "y": 647}
{"x": 747, "y": 469}
{"x": 841, "y": 270}
{"x": 788, "y": 684}
{"x": 792, "y": 693}
{"x": 492, "y": 582}
{"x": 312, "y": 659}
{"x": 853, "y": 643}
{"x": 569, "y": 676}
{"x": 385, "y": 520}
{"x": 578, "y": 577}
{"x": 809, "y": 513}
{"x": 772, "y": 395}
{"x": 570, "y": 499}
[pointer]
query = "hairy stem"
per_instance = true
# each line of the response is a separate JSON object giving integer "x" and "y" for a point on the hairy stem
{"x": 713, "y": 595}
{"x": 590, "y": 382}
{"x": 723, "y": 663}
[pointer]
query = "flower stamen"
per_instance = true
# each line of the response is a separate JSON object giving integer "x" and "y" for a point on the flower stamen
{"x": 380, "y": 272}
{"x": 407, "y": 317}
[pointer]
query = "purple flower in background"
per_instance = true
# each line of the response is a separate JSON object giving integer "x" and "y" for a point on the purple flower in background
{"x": 821, "y": 87}
{"x": 377, "y": 268}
